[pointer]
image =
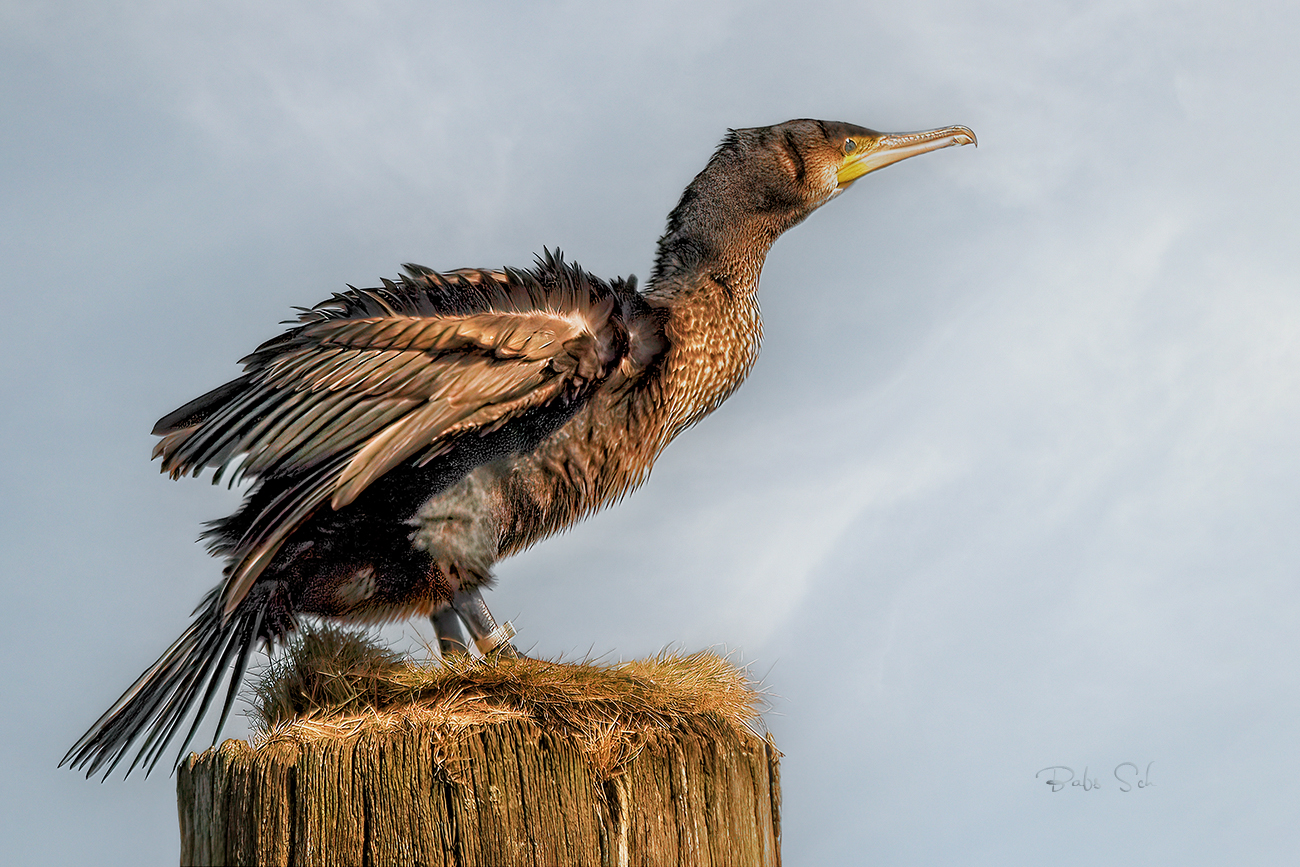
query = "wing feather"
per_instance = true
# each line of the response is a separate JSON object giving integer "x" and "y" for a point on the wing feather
{"x": 374, "y": 378}
{"x": 477, "y": 384}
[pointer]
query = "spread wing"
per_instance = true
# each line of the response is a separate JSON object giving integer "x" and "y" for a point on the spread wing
{"x": 375, "y": 378}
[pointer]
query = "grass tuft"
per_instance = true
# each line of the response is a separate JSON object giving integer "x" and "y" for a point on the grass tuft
{"x": 333, "y": 683}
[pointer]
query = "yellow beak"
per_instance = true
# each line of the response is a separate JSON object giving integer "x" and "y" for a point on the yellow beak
{"x": 879, "y": 149}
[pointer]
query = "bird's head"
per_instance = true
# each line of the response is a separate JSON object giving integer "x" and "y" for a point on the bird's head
{"x": 799, "y": 165}
{"x": 763, "y": 180}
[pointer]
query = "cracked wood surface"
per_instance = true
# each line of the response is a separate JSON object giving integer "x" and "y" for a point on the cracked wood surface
{"x": 507, "y": 793}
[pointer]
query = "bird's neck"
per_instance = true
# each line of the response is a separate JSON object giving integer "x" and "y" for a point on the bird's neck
{"x": 687, "y": 258}
{"x": 706, "y": 279}
{"x": 715, "y": 232}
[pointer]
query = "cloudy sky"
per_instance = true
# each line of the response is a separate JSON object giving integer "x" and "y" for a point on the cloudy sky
{"x": 1014, "y": 484}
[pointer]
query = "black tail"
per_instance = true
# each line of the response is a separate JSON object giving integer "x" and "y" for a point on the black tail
{"x": 155, "y": 705}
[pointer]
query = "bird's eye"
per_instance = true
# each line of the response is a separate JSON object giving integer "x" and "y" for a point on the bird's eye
{"x": 850, "y": 145}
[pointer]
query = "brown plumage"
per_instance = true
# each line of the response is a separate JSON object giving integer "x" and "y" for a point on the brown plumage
{"x": 405, "y": 438}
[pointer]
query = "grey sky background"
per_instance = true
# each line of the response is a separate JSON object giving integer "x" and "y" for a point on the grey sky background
{"x": 1013, "y": 485}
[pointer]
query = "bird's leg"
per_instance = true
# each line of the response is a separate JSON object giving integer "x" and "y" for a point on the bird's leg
{"x": 446, "y": 625}
{"x": 489, "y": 638}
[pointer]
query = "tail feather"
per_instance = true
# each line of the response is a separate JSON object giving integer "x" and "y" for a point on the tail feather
{"x": 241, "y": 641}
{"x": 200, "y": 672}
{"x": 159, "y": 701}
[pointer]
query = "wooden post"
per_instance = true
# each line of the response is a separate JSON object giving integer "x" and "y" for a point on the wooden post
{"x": 487, "y": 784}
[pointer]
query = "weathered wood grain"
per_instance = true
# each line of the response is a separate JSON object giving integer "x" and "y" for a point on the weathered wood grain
{"x": 501, "y": 793}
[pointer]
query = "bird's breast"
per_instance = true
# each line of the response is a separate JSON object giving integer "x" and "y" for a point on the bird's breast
{"x": 711, "y": 349}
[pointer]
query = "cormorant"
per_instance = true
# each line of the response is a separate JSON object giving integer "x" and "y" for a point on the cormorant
{"x": 405, "y": 438}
